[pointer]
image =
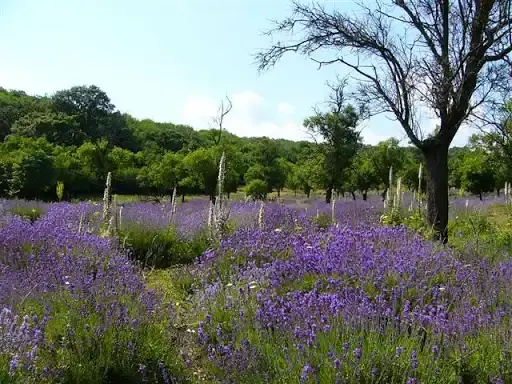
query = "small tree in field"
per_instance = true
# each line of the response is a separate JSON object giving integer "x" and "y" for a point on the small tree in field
{"x": 450, "y": 56}
{"x": 340, "y": 138}
{"x": 257, "y": 189}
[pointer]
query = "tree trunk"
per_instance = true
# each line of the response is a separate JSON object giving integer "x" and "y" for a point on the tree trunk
{"x": 328, "y": 195}
{"x": 278, "y": 192}
{"x": 182, "y": 197}
{"x": 308, "y": 193}
{"x": 480, "y": 195}
{"x": 383, "y": 194}
{"x": 353, "y": 195}
{"x": 365, "y": 195}
{"x": 436, "y": 158}
{"x": 295, "y": 193}
{"x": 498, "y": 192}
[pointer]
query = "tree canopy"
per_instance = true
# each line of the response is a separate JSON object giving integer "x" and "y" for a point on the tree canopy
{"x": 45, "y": 144}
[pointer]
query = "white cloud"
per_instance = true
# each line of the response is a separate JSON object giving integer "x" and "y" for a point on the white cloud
{"x": 285, "y": 108}
{"x": 251, "y": 115}
{"x": 199, "y": 111}
{"x": 246, "y": 99}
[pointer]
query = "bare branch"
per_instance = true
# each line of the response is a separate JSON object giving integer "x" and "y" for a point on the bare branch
{"x": 218, "y": 120}
{"x": 407, "y": 55}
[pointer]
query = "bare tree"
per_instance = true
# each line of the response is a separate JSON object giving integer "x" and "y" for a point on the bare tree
{"x": 447, "y": 55}
{"x": 218, "y": 120}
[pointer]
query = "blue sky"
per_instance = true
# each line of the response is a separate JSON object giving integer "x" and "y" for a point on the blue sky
{"x": 170, "y": 60}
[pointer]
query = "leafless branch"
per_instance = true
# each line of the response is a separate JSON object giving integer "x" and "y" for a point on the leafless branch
{"x": 452, "y": 57}
{"x": 218, "y": 120}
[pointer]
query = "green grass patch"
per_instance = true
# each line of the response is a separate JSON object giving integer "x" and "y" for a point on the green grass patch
{"x": 28, "y": 213}
{"x": 161, "y": 248}
{"x": 482, "y": 235}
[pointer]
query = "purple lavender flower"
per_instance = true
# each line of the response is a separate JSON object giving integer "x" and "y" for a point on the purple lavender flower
{"x": 414, "y": 360}
{"x": 306, "y": 371}
{"x": 357, "y": 353}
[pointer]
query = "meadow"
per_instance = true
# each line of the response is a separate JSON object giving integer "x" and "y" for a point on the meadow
{"x": 293, "y": 292}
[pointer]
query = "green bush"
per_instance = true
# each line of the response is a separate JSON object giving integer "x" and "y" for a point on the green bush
{"x": 161, "y": 248}
{"x": 257, "y": 189}
{"x": 322, "y": 220}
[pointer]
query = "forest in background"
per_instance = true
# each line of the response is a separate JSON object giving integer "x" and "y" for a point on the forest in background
{"x": 76, "y": 136}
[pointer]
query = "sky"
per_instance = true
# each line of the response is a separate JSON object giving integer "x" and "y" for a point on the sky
{"x": 173, "y": 61}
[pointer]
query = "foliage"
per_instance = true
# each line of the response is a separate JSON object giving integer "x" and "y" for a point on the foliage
{"x": 77, "y": 136}
{"x": 60, "y": 190}
{"x": 477, "y": 173}
{"x": 341, "y": 143}
{"x": 29, "y": 213}
{"x": 160, "y": 248}
{"x": 26, "y": 167}
{"x": 363, "y": 175}
{"x": 257, "y": 189}
{"x": 387, "y": 154}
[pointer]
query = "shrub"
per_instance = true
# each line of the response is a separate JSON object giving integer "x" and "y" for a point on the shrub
{"x": 74, "y": 310}
{"x": 257, "y": 189}
{"x": 322, "y": 220}
{"x": 161, "y": 248}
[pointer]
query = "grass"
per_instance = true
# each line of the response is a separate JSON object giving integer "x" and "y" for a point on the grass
{"x": 28, "y": 213}
{"x": 161, "y": 248}
{"x": 175, "y": 284}
{"x": 476, "y": 234}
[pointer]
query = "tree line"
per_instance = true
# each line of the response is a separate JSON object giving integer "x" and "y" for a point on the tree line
{"x": 76, "y": 136}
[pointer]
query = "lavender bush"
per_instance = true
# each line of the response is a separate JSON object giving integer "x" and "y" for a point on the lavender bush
{"x": 301, "y": 292}
{"x": 75, "y": 309}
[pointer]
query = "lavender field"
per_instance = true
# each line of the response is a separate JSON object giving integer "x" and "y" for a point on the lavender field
{"x": 287, "y": 295}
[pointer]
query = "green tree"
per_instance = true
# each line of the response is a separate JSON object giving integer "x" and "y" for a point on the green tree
{"x": 255, "y": 172}
{"x": 257, "y": 189}
{"x": 124, "y": 168}
{"x": 164, "y": 136}
{"x": 279, "y": 174}
{"x": 69, "y": 169}
{"x": 27, "y": 168}
{"x": 410, "y": 170}
{"x": 95, "y": 114}
{"x": 477, "y": 173}
{"x": 202, "y": 165}
{"x": 385, "y": 155}
{"x": 341, "y": 141}
{"x": 363, "y": 172}
{"x": 95, "y": 163}
{"x": 497, "y": 142}
{"x": 163, "y": 175}
{"x": 57, "y": 128}
{"x": 16, "y": 104}
{"x": 455, "y": 166}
